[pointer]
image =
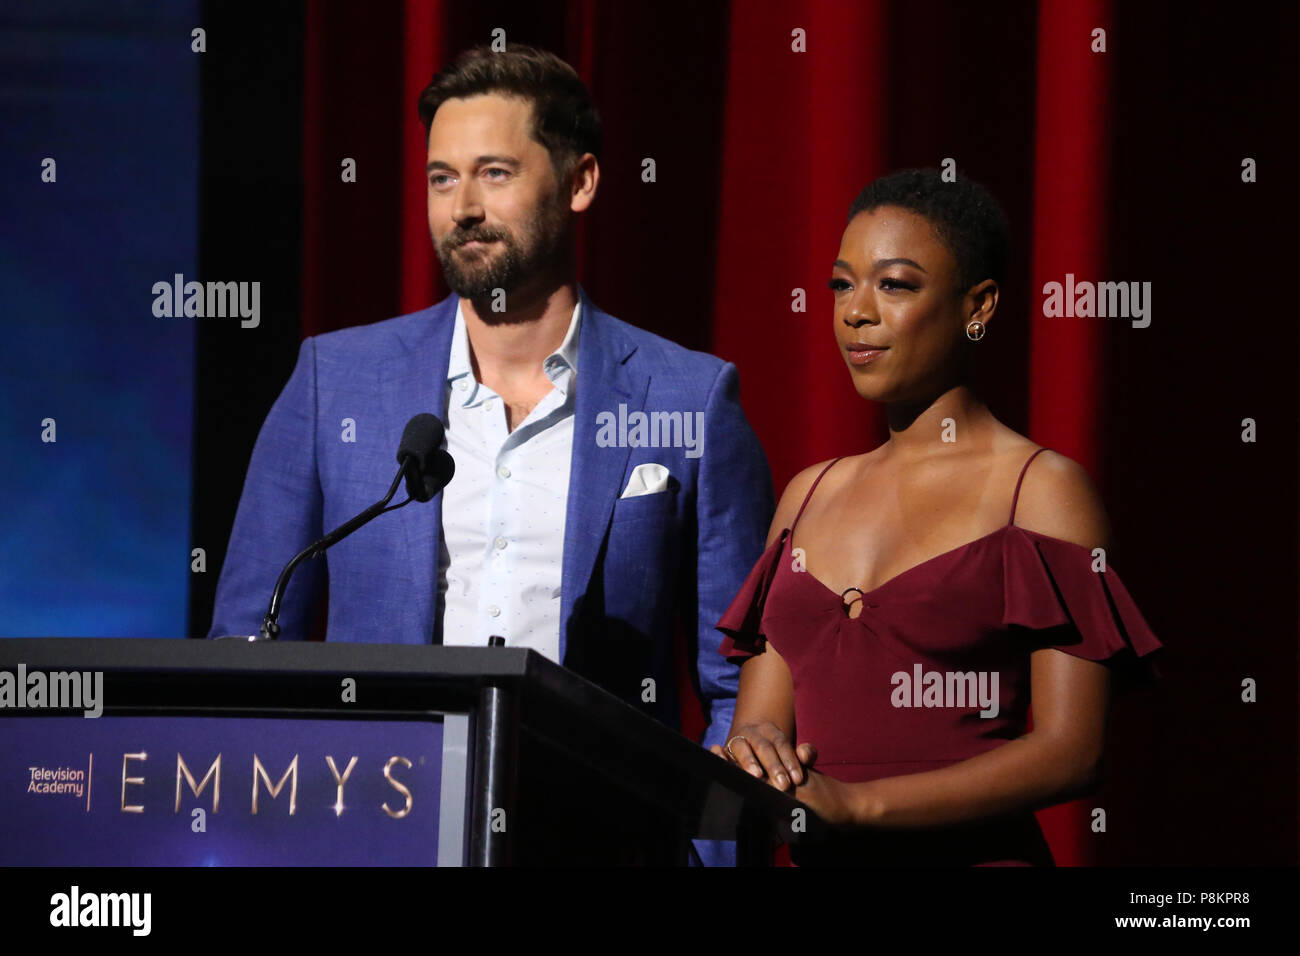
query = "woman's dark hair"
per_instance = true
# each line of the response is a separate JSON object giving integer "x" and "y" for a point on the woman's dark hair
{"x": 963, "y": 213}
{"x": 565, "y": 120}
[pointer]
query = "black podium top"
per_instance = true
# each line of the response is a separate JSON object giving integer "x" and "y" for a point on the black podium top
{"x": 241, "y": 678}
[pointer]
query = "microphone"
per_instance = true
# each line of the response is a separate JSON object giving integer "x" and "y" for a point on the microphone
{"x": 427, "y": 467}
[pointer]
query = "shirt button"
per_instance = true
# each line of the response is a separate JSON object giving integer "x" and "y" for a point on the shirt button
{"x": 494, "y": 611}
{"x": 503, "y": 471}
{"x": 462, "y": 385}
{"x": 499, "y": 544}
{"x": 489, "y": 405}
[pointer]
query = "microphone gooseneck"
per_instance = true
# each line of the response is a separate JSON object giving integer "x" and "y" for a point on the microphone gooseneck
{"x": 427, "y": 468}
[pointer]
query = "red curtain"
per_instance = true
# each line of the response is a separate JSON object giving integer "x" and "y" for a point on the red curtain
{"x": 1121, "y": 165}
{"x": 779, "y": 103}
{"x": 1066, "y": 401}
{"x": 424, "y": 45}
{"x": 781, "y": 210}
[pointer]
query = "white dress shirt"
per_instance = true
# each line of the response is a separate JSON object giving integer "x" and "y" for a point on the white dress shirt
{"x": 503, "y": 513}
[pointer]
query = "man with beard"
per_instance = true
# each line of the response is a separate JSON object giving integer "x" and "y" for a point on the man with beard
{"x": 607, "y": 483}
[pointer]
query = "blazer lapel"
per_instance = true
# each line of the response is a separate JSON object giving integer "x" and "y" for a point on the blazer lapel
{"x": 414, "y": 382}
{"x": 606, "y": 378}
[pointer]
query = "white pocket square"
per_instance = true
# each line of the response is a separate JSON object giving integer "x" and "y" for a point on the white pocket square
{"x": 646, "y": 479}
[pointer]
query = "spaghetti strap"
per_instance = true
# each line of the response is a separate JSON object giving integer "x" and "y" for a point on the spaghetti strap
{"x": 808, "y": 497}
{"x": 1016, "y": 497}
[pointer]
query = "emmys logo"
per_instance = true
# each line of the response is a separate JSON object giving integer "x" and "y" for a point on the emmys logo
{"x": 133, "y": 781}
{"x": 58, "y": 690}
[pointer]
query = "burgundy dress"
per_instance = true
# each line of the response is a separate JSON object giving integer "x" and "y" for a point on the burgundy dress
{"x": 982, "y": 607}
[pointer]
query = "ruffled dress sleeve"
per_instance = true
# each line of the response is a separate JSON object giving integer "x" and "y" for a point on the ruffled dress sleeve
{"x": 1051, "y": 590}
{"x": 742, "y": 622}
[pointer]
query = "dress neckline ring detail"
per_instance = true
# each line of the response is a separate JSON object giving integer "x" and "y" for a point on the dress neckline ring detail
{"x": 788, "y": 536}
{"x": 868, "y": 593}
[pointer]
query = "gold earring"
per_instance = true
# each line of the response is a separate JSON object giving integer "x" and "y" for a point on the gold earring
{"x": 975, "y": 330}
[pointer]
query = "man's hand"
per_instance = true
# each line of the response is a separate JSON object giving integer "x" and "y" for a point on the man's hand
{"x": 763, "y": 750}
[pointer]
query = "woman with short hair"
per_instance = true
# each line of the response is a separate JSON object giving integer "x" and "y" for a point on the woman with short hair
{"x": 915, "y": 600}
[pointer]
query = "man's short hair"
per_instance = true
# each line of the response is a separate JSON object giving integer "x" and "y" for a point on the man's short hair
{"x": 565, "y": 120}
{"x": 966, "y": 217}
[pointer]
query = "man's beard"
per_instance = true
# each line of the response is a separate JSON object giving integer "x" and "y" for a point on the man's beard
{"x": 512, "y": 262}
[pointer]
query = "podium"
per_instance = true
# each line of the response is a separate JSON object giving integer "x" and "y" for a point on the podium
{"x": 297, "y": 753}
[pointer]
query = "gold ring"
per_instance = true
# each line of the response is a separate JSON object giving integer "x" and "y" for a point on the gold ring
{"x": 728, "y": 745}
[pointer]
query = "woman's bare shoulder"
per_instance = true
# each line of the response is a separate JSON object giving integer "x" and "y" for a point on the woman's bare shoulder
{"x": 1058, "y": 499}
{"x": 795, "y": 492}
{"x": 798, "y": 487}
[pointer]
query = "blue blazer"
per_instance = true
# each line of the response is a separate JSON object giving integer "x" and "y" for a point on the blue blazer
{"x": 632, "y": 567}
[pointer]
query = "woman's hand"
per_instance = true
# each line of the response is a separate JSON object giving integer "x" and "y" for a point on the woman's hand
{"x": 833, "y": 800}
{"x": 763, "y": 749}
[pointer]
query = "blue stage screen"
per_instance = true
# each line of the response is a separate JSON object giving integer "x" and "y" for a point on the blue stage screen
{"x": 95, "y": 528}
